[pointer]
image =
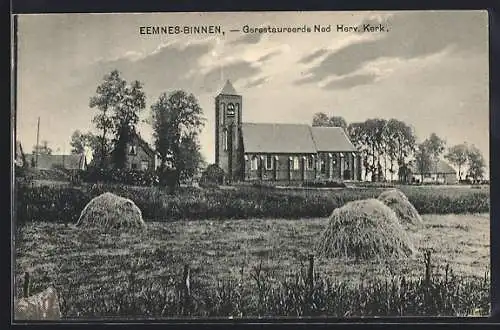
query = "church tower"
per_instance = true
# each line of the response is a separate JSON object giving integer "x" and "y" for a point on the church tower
{"x": 228, "y": 108}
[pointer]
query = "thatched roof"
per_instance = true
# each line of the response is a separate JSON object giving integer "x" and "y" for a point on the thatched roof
{"x": 439, "y": 167}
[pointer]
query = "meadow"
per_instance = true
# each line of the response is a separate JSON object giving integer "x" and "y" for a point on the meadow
{"x": 252, "y": 267}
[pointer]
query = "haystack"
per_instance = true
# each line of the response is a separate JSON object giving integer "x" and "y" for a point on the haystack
{"x": 399, "y": 203}
{"x": 367, "y": 230}
{"x": 109, "y": 211}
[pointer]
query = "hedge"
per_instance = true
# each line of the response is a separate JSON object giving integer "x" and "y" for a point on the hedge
{"x": 64, "y": 204}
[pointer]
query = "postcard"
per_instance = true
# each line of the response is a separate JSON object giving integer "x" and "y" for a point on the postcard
{"x": 237, "y": 165}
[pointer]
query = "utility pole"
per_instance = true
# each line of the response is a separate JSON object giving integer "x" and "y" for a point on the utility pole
{"x": 37, "y": 142}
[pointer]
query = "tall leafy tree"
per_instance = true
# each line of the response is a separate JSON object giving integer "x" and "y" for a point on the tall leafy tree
{"x": 476, "y": 163}
{"x": 358, "y": 135}
{"x": 458, "y": 155}
{"x": 322, "y": 119}
{"x": 190, "y": 157}
{"x": 78, "y": 142}
{"x": 125, "y": 118}
{"x": 43, "y": 148}
{"x": 435, "y": 147}
{"x": 423, "y": 159}
{"x": 177, "y": 119}
{"x": 400, "y": 141}
{"x": 108, "y": 96}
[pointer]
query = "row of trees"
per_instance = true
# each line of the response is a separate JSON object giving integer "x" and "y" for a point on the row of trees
{"x": 176, "y": 119}
{"x": 389, "y": 148}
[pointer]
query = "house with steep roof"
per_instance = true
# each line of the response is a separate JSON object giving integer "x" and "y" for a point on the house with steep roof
{"x": 277, "y": 151}
{"x": 139, "y": 155}
{"x": 439, "y": 172}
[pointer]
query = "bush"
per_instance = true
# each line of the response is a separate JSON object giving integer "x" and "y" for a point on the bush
{"x": 212, "y": 176}
{"x": 124, "y": 176}
{"x": 64, "y": 204}
{"x": 324, "y": 184}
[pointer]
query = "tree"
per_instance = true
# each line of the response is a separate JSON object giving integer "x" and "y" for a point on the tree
{"x": 42, "y": 149}
{"x": 190, "y": 157}
{"x": 458, "y": 156}
{"x": 476, "y": 163}
{"x": 78, "y": 142}
{"x": 108, "y": 95}
{"x": 435, "y": 146}
{"x": 321, "y": 119}
{"x": 130, "y": 101}
{"x": 423, "y": 159}
{"x": 176, "y": 120}
{"x": 400, "y": 140}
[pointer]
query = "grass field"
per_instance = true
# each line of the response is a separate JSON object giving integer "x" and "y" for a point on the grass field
{"x": 89, "y": 267}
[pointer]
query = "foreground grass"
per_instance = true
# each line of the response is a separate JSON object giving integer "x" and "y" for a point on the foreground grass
{"x": 250, "y": 268}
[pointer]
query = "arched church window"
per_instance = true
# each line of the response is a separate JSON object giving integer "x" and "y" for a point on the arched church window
{"x": 310, "y": 162}
{"x": 296, "y": 164}
{"x": 230, "y": 110}
{"x": 224, "y": 140}
{"x": 254, "y": 165}
{"x": 222, "y": 113}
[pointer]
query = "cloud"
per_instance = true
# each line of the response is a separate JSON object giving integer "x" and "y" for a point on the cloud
{"x": 311, "y": 57}
{"x": 166, "y": 68}
{"x": 268, "y": 56}
{"x": 234, "y": 71}
{"x": 248, "y": 39}
{"x": 256, "y": 82}
{"x": 410, "y": 35}
{"x": 351, "y": 81}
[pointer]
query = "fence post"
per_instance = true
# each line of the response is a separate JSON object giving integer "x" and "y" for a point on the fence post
{"x": 186, "y": 290}
{"x": 427, "y": 298}
{"x": 309, "y": 285}
{"x": 26, "y": 285}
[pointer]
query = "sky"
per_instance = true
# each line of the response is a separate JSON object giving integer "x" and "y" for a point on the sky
{"x": 429, "y": 69}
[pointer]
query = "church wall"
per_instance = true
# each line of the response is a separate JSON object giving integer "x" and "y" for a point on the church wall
{"x": 282, "y": 168}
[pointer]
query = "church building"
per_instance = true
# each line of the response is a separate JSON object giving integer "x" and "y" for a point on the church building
{"x": 279, "y": 152}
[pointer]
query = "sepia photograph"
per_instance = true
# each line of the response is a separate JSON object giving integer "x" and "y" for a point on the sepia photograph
{"x": 250, "y": 165}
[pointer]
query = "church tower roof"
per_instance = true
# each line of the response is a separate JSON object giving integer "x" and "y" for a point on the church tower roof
{"x": 228, "y": 89}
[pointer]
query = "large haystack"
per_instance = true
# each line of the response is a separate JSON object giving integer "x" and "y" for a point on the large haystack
{"x": 364, "y": 229}
{"x": 109, "y": 211}
{"x": 399, "y": 203}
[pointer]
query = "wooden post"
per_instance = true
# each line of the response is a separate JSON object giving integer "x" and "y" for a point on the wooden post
{"x": 186, "y": 290}
{"x": 26, "y": 285}
{"x": 309, "y": 285}
{"x": 310, "y": 272}
{"x": 37, "y": 142}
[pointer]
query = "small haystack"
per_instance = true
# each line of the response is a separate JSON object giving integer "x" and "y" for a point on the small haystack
{"x": 364, "y": 229}
{"x": 109, "y": 211}
{"x": 400, "y": 204}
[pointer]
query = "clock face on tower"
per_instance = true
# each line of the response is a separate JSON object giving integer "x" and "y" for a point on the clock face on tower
{"x": 230, "y": 110}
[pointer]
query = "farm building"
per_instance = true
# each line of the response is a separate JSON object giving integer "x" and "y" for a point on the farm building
{"x": 139, "y": 155}
{"x": 440, "y": 172}
{"x": 278, "y": 152}
{"x": 47, "y": 162}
